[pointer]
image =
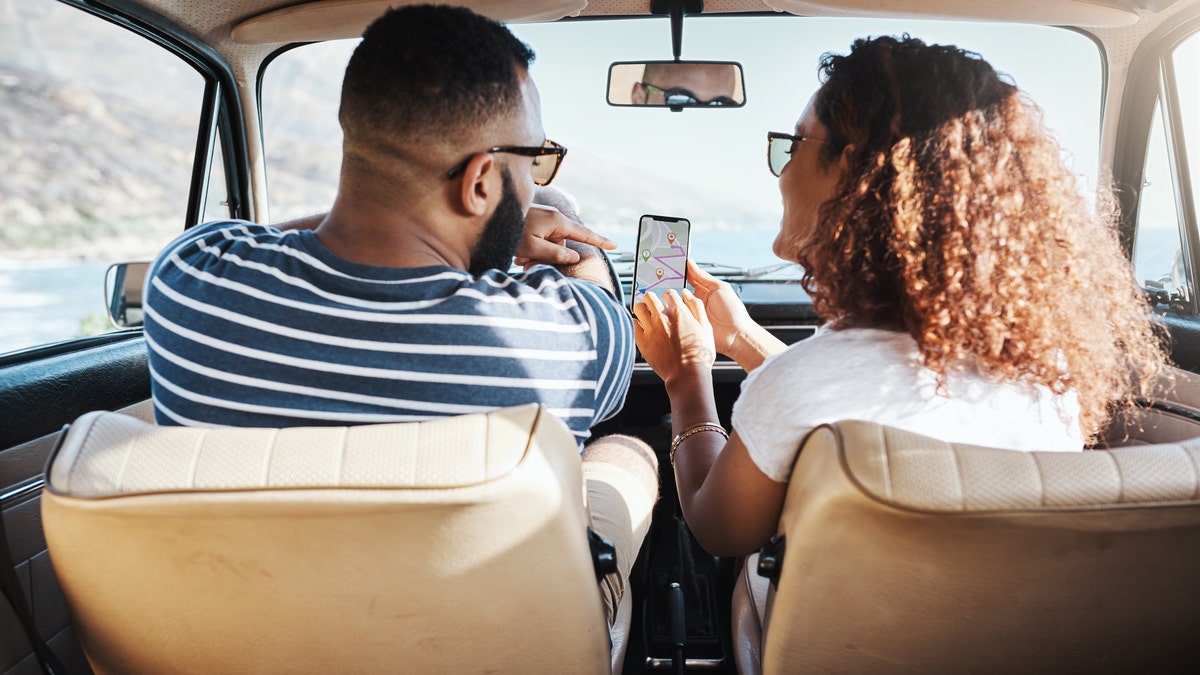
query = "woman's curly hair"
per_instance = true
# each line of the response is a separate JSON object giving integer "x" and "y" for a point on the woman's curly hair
{"x": 959, "y": 221}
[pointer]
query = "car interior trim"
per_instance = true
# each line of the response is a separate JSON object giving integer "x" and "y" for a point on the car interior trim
{"x": 1096, "y": 13}
{"x": 341, "y": 19}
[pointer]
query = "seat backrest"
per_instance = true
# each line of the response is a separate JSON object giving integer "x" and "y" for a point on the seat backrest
{"x": 904, "y": 553}
{"x": 454, "y": 545}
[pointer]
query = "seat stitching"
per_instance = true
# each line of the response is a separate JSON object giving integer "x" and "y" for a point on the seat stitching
{"x": 887, "y": 463}
{"x": 339, "y": 472}
{"x": 266, "y": 477}
{"x": 1120, "y": 476}
{"x": 1192, "y": 459}
{"x": 124, "y": 465}
{"x": 78, "y": 457}
{"x": 487, "y": 445}
{"x": 415, "y": 454}
{"x": 196, "y": 452}
{"x": 962, "y": 492}
{"x": 1041, "y": 478}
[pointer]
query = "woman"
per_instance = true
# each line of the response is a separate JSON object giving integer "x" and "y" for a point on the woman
{"x": 970, "y": 292}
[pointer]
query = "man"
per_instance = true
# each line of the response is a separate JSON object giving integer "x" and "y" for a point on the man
{"x": 396, "y": 305}
{"x": 687, "y": 84}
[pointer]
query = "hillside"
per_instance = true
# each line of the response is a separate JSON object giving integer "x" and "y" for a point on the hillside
{"x": 132, "y": 183}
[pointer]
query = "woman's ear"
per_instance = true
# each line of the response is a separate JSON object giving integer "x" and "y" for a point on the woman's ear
{"x": 480, "y": 178}
{"x": 847, "y": 153}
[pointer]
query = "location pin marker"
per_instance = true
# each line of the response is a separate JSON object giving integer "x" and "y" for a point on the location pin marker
{"x": 645, "y": 255}
{"x": 659, "y": 272}
{"x": 670, "y": 237}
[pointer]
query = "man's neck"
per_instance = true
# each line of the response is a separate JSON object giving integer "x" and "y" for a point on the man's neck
{"x": 371, "y": 234}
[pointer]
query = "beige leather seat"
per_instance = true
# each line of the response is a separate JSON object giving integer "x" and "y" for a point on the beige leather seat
{"x": 457, "y": 545}
{"x": 906, "y": 554}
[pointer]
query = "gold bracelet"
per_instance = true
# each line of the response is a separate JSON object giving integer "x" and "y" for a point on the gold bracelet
{"x": 692, "y": 430}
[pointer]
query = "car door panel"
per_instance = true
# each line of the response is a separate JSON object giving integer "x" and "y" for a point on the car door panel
{"x": 39, "y": 397}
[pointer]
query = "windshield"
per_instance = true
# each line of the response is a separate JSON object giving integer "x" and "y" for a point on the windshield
{"x": 708, "y": 166}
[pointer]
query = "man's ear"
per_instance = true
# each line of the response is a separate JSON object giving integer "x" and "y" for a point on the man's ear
{"x": 637, "y": 95}
{"x": 480, "y": 178}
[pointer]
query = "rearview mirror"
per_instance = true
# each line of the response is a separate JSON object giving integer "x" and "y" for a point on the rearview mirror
{"x": 123, "y": 289}
{"x": 677, "y": 84}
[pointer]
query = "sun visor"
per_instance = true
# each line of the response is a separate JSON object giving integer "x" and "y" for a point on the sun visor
{"x": 340, "y": 19}
{"x": 1091, "y": 13}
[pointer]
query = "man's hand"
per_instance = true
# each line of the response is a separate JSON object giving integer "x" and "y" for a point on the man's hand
{"x": 546, "y": 230}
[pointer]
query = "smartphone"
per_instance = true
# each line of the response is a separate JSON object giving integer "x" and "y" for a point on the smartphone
{"x": 662, "y": 250}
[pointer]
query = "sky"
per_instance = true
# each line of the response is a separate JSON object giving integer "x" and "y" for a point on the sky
{"x": 780, "y": 63}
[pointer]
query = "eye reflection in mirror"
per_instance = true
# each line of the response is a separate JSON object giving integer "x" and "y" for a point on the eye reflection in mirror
{"x": 676, "y": 84}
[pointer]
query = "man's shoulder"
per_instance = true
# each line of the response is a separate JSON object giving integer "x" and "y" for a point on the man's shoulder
{"x": 226, "y": 229}
{"x": 235, "y": 228}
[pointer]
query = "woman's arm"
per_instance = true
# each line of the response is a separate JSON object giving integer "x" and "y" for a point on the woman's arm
{"x": 730, "y": 505}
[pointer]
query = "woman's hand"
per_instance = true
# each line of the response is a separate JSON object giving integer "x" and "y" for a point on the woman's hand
{"x": 725, "y": 309}
{"x": 735, "y": 334}
{"x": 674, "y": 334}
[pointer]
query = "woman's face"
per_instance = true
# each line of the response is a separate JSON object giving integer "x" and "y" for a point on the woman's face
{"x": 805, "y": 184}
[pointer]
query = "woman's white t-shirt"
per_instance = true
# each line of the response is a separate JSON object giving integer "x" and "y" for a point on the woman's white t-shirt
{"x": 877, "y": 375}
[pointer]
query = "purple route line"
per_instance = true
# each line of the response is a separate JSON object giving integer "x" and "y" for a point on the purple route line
{"x": 659, "y": 259}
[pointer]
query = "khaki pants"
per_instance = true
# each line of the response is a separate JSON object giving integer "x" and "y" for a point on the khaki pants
{"x": 621, "y": 477}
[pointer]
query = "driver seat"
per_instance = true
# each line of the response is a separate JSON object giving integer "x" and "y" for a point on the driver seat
{"x": 453, "y": 545}
{"x": 900, "y": 553}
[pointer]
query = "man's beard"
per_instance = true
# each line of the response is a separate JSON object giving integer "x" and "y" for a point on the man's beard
{"x": 498, "y": 243}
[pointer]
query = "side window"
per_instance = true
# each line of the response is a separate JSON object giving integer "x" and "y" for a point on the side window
{"x": 1158, "y": 258}
{"x": 302, "y": 138}
{"x": 216, "y": 205}
{"x": 98, "y": 130}
{"x": 1171, "y": 183}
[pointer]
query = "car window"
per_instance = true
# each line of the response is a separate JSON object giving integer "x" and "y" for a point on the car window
{"x": 1158, "y": 260}
{"x": 1170, "y": 180}
{"x": 216, "y": 202}
{"x": 97, "y": 131}
{"x": 705, "y": 165}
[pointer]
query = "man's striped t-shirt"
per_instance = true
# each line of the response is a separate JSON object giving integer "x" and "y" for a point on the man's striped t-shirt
{"x": 251, "y": 326}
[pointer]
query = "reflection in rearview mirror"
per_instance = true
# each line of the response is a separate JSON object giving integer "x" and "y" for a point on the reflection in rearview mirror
{"x": 123, "y": 292}
{"x": 677, "y": 84}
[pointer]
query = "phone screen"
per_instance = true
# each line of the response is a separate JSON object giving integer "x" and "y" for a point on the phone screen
{"x": 662, "y": 249}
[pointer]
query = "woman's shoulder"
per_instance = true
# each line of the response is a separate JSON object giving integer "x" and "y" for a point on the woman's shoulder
{"x": 828, "y": 345}
{"x": 835, "y": 360}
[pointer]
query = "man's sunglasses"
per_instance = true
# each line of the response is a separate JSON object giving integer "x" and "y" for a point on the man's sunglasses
{"x": 779, "y": 149}
{"x": 546, "y": 159}
{"x": 681, "y": 96}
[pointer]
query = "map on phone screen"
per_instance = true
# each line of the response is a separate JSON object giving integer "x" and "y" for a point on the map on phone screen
{"x": 661, "y": 256}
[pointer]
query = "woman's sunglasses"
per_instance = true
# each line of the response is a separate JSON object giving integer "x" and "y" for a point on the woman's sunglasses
{"x": 779, "y": 149}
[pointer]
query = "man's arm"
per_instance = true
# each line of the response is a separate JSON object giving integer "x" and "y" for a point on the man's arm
{"x": 592, "y": 266}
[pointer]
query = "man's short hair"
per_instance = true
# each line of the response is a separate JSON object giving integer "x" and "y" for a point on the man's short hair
{"x": 430, "y": 69}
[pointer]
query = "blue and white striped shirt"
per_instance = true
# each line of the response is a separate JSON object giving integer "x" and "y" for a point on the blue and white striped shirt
{"x": 250, "y": 326}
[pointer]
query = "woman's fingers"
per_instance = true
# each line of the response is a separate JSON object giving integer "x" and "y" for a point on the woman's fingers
{"x": 696, "y": 306}
{"x": 648, "y": 310}
{"x": 704, "y": 283}
{"x": 701, "y": 279}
